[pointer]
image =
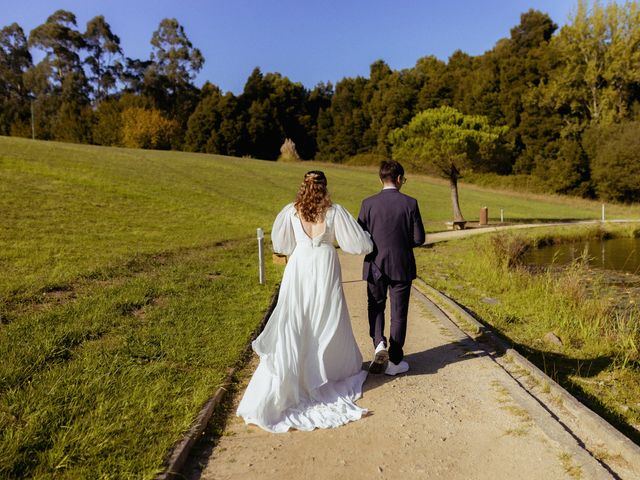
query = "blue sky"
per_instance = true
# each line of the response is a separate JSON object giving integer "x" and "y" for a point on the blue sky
{"x": 308, "y": 41}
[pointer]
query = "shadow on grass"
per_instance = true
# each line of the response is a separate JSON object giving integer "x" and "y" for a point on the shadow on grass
{"x": 561, "y": 368}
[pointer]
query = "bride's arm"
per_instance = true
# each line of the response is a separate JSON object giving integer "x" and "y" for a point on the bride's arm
{"x": 282, "y": 236}
{"x": 350, "y": 236}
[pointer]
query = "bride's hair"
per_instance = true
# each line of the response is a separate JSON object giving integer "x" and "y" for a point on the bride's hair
{"x": 313, "y": 198}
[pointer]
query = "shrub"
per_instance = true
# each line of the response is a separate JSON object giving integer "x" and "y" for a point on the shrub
{"x": 20, "y": 129}
{"x": 509, "y": 250}
{"x": 368, "y": 158}
{"x": 615, "y": 163}
{"x": 147, "y": 128}
{"x": 288, "y": 152}
{"x": 519, "y": 182}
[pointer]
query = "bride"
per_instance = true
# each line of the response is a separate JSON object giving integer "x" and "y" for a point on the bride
{"x": 310, "y": 370}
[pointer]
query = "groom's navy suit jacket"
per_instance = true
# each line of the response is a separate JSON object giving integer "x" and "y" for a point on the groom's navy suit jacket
{"x": 393, "y": 220}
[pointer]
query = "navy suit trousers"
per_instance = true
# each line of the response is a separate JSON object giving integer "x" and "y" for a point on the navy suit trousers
{"x": 376, "y": 301}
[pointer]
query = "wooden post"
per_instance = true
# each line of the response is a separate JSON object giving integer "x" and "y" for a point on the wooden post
{"x": 484, "y": 216}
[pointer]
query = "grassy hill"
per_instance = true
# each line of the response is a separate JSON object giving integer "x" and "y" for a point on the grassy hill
{"x": 129, "y": 287}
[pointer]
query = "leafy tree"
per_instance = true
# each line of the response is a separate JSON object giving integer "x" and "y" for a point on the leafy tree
{"x": 538, "y": 130}
{"x": 294, "y": 121}
{"x": 389, "y": 98}
{"x": 204, "y": 121}
{"x": 564, "y": 167}
{"x": 104, "y": 58}
{"x": 228, "y": 137}
{"x": 599, "y": 63}
{"x": 273, "y": 108}
{"x": 342, "y": 127}
{"x": 15, "y": 60}
{"x": 107, "y": 123}
{"x": 270, "y": 109}
{"x": 615, "y": 160}
{"x": 255, "y": 86}
{"x": 260, "y": 134}
{"x": 168, "y": 78}
{"x": 447, "y": 143}
{"x": 458, "y": 79}
{"x": 62, "y": 44}
{"x": 58, "y": 81}
{"x": 481, "y": 95}
{"x": 140, "y": 78}
{"x": 534, "y": 30}
{"x": 429, "y": 81}
{"x": 73, "y": 119}
{"x": 134, "y": 75}
{"x": 318, "y": 101}
{"x": 524, "y": 64}
{"x": 324, "y": 135}
{"x": 173, "y": 54}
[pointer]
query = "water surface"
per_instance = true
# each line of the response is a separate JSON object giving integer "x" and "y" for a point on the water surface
{"x": 621, "y": 254}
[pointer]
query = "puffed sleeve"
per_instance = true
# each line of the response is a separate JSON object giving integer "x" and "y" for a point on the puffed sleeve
{"x": 282, "y": 236}
{"x": 350, "y": 236}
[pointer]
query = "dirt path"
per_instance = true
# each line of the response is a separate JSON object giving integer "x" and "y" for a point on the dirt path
{"x": 456, "y": 415}
{"x": 455, "y": 234}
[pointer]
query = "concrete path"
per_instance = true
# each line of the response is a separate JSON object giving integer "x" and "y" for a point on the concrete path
{"x": 458, "y": 414}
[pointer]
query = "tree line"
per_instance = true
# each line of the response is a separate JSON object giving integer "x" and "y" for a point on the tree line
{"x": 567, "y": 100}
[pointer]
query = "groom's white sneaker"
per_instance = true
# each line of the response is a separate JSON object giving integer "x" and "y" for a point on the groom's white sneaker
{"x": 380, "y": 359}
{"x": 395, "y": 369}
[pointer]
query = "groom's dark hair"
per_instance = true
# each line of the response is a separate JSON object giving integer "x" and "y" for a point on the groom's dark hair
{"x": 390, "y": 170}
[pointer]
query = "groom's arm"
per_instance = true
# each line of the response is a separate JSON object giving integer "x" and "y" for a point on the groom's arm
{"x": 418, "y": 228}
{"x": 362, "y": 218}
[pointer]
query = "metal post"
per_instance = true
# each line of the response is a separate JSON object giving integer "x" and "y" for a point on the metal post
{"x": 261, "y": 254}
{"x": 501, "y": 215}
{"x": 603, "y": 212}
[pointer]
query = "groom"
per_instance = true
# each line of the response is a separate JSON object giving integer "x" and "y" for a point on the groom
{"x": 393, "y": 220}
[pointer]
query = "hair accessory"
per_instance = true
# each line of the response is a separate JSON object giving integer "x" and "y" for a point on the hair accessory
{"x": 316, "y": 176}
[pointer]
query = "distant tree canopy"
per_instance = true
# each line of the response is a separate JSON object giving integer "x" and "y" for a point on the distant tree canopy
{"x": 444, "y": 142}
{"x": 553, "y": 90}
{"x": 270, "y": 109}
{"x": 104, "y": 57}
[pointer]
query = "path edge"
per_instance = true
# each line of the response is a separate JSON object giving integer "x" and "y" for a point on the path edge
{"x": 606, "y": 432}
{"x": 178, "y": 455}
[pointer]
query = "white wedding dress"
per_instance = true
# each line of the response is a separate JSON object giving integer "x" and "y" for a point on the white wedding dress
{"x": 310, "y": 372}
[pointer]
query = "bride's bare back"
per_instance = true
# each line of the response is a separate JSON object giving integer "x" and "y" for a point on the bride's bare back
{"x": 312, "y": 229}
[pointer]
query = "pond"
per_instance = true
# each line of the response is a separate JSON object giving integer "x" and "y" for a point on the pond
{"x": 622, "y": 254}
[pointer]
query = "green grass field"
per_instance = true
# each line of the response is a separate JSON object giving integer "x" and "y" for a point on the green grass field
{"x": 129, "y": 287}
